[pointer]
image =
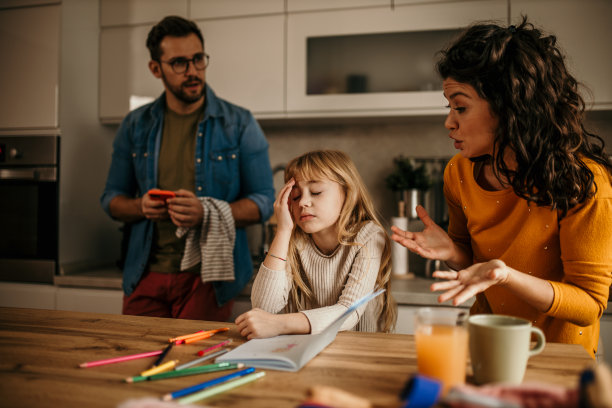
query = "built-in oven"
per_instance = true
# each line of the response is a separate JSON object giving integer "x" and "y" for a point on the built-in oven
{"x": 29, "y": 203}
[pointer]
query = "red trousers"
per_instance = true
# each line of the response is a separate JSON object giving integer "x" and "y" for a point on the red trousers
{"x": 178, "y": 295}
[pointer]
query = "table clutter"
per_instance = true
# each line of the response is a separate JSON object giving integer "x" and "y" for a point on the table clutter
{"x": 42, "y": 350}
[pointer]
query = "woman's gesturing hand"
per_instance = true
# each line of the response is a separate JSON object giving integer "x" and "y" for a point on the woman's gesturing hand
{"x": 433, "y": 242}
{"x": 462, "y": 285}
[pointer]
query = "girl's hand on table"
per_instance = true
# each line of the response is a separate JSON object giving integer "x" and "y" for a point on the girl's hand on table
{"x": 259, "y": 324}
{"x": 433, "y": 242}
{"x": 462, "y": 285}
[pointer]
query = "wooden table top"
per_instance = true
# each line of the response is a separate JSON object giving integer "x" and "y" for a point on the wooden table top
{"x": 40, "y": 351}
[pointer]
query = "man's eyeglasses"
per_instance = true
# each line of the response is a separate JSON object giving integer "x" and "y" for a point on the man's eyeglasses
{"x": 180, "y": 65}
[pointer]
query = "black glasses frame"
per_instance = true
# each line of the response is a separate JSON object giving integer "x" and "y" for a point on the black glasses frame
{"x": 180, "y": 60}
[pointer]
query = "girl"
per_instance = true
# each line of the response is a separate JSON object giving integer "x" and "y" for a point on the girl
{"x": 329, "y": 250}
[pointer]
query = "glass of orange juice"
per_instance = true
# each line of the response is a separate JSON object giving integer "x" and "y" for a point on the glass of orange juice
{"x": 442, "y": 344}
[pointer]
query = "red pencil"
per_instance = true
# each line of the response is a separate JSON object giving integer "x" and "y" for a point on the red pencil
{"x": 120, "y": 359}
{"x": 216, "y": 346}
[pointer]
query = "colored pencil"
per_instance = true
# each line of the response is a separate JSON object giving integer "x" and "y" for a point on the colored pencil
{"x": 223, "y": 343}
{"x": 220, "y": 388}
{"x": 120, "y": 359}
{"x": 200, "y": 360}
{"x": 163, "y": 355}
{"x": 209, "y": 368}
{"x": 206, "y": 384}
{"x": 198, "y": 334}
{"x": 159, "y": 369}
{"x": 183, "y": 337}
{"x": 205, "y": 335}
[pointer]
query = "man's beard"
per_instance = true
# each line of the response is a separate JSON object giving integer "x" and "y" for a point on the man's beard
{"x": 180, "y": 93}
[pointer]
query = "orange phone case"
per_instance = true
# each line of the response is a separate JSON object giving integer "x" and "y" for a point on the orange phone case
{"x": 157, "y": 194}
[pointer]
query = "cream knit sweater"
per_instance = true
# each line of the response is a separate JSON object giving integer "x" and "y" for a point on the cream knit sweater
{"x": 337, "y": 280}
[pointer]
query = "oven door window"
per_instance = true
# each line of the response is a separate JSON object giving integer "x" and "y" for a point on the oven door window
{"x": 28, "y": 216}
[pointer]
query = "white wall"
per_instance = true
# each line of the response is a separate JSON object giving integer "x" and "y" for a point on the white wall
{"x": 86, "y": 232}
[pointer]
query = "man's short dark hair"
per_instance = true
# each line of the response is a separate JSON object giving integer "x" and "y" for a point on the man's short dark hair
{"x": 174, "y": 26}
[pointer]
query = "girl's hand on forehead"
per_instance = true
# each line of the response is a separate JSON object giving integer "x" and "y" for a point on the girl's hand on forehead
{"x": 282, "y": 207}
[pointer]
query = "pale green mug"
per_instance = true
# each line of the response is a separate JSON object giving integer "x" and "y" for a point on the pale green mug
{"x": 500, "y": 347}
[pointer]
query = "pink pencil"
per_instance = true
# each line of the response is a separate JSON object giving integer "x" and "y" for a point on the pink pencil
{"x": 223, "y": 343}
{"x": 120, "y": 359}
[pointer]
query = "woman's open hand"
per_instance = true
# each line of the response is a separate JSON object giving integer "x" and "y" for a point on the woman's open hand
{"x": 433, "y": 242}
{"x": 462, "y": 285}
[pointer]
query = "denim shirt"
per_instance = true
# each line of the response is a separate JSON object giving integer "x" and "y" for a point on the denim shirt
{"x": 231, "y": 163}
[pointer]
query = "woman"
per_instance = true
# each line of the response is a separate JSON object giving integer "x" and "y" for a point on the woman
{"x": 529, "y": 194}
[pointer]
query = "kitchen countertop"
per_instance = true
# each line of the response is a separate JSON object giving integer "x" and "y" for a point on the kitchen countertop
{"x": 412, "y": 290}
{"x": 407, "y": 291}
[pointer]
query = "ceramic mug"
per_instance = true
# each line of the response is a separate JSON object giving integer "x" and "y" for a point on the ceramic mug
{"x": 500, "y": 347}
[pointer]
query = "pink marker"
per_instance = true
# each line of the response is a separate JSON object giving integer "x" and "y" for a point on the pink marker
{"x": 120, "y": 359}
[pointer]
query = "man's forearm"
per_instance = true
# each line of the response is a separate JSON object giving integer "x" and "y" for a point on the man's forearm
{"x": 245, "y": 212}
{"x": 126, "y": 209}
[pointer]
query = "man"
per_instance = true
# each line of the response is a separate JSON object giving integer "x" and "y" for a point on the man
{"x": 205, "y": 150}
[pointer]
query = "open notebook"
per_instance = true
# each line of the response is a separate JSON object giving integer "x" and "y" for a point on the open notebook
{"x": 290, "y": 352}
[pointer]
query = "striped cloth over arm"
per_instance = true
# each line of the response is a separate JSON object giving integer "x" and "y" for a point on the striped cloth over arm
{"x": 211, "y": 244}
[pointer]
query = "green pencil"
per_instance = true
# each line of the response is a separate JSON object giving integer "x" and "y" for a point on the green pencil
{"x": 220, "y": 388}
{"x": 209, "y": 368}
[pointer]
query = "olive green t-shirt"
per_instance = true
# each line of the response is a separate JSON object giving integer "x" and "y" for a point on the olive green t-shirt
{"x": 176, "y": 170}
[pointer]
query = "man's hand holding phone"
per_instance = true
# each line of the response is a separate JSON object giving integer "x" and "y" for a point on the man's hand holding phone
{"x": 154, "y": 204}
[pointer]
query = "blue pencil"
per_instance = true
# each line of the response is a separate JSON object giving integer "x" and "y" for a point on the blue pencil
{"x": 206, "y": 384}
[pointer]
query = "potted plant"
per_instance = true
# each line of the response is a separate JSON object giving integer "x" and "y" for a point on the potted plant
{"x": 410, "y": 182}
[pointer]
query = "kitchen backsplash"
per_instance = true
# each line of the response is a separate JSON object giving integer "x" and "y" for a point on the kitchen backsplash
{"x": 372, "y": 144}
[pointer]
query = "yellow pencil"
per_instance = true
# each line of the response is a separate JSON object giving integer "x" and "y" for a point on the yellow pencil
{"x": 160, "y": 368}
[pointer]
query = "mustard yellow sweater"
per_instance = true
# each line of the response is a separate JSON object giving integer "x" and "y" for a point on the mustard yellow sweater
{"x": 573, "y": 253}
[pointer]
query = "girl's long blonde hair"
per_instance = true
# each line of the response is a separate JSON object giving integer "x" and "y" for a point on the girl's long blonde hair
{"x": 356, "y": 211}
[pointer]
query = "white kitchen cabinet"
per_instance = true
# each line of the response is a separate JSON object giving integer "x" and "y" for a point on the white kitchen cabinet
{"x": 247, "y": 61}
{"x": 379, "y": 49}
{"x": 129, "y": 12}
{"x": 207, "y": 9}
{"x": 311, "y": 5}
{"x": 246, "y": 65}
{"x": 89, "y": 300}
{"x": 32, "y": 296}
{"x": 405, "y": 319}
{"x": 125, "y": 79}
{"x": 605, "y": 338}
{"x": 583, "y": 31}
{"x": 29, "y": 72}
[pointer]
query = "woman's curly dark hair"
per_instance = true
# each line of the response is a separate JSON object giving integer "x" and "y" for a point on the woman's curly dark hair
{"x": 522, "y": 74}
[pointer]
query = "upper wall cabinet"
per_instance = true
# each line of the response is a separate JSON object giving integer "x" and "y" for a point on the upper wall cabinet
{"x": 125, "y": 79}
{"x": 311, "y": 5}
{"x": 247, "y": 62}
{"x": 374, "y": 61}
{"x": 122, "y": 12}
{"x": 246, "y": 56}
{"x": 205, "y": 9}
{"x": 29, "y": 72}
{"x": 583, "y": 31}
